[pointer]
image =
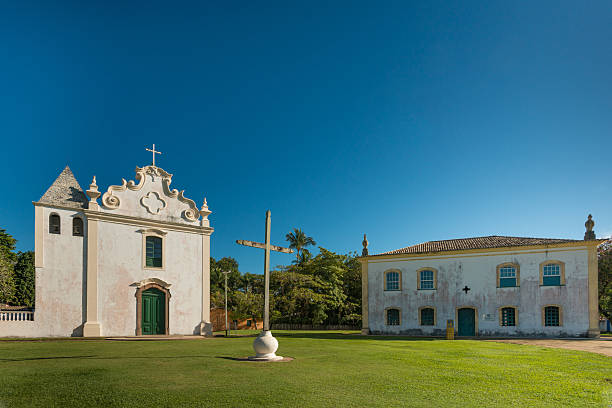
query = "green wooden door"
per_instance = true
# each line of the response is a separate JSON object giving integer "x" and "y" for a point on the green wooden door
{"x": 153, "y": 312}
{"x": 467, "y": 322}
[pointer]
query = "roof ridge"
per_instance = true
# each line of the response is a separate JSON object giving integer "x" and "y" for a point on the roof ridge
{"x": 493, "y": 236}
{"x": 489, "y": 241}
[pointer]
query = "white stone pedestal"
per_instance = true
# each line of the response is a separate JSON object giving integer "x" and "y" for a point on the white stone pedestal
{"x": 265, "y": 346}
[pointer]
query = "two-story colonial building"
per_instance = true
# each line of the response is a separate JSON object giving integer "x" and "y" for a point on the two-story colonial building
{"x": 487, "y": 286}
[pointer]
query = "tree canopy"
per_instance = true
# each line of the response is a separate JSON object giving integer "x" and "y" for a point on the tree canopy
{"x": 604, "y": 257}
{"x": 320, "y": 290}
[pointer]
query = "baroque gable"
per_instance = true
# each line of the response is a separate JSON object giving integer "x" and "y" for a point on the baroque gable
{"x": 150, "y": 197}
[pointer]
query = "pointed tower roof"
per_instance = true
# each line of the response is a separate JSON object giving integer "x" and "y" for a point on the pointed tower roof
{"x": 65, "y": 192}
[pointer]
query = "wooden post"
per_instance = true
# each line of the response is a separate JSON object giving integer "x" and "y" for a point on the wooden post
{"x": 267, "y": 273}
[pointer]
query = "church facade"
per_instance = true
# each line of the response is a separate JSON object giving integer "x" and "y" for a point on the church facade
{"x": 485, "y": 286}
{"x": 135, "y": 263}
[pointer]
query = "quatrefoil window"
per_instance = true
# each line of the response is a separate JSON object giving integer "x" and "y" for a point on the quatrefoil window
{"x": 153, "y": 203}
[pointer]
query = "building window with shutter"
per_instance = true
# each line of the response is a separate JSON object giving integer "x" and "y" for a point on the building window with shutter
{"x": 552, "y": 316}
{"x": 77, "y": 227}
{"x": 54, "y": 224}
{"x": 507, "y": 275}
{"x": 427, "y": 316}
{"x": 392, "y": 317}
{"x": 507, "y": 316}
{"x": 551, "y": 274}
{"x": 393, "y": 280}
{"x": 154, "y": 252}
{"x": 426, "y": 279}
{"x": 153, "y": 249}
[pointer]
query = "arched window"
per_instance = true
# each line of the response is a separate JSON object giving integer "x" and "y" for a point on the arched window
{"x": 427, "y": 316}
{"x": 54, "y": 224}
{"x": 508, "y": 316}
{"x": 77, "y": 227}
{"x": 392, "y": 280}
{"x": 552, "y": 273}
{"x": 393, "y": 317}
{"x": 552, "y": 316}
{"x": 427, "y": 279}
{"x": 508, "y": 275}
{"x": 154, "y": 252}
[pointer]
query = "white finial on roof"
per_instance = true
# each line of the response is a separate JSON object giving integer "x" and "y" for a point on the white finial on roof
{"x": 205, "y": 212}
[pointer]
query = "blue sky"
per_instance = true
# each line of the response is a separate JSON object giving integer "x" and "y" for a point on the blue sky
{"x": 408, "y": 121}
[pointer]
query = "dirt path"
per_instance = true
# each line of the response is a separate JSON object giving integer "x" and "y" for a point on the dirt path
{"x": 599, "y": 346}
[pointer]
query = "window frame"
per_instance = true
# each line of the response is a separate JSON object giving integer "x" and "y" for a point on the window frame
{"x": 559, "y": 308}
{"x": 435, "y": 316}
{"x": 500, "y": 314}
{"x": 561, "y": 272}
{"x": 399, "y": 316}
{"x": 158, "y": 234}
{"x": 74, "y": 220}
{"x": 399, "y": 283}
{"x": 517, "y": 269}
{"x": 59, "y": 225}
{"x": 435, "y": 278}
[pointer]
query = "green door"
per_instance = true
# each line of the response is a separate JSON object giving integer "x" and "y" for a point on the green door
{"x": 153, "y": 312}
{"x": 467, "y": 322}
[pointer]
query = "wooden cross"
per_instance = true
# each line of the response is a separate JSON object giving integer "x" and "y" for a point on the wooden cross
{"x": 466, "y": 289}
{"x": 267, "y": 247}
{"x": 154, "y": 153}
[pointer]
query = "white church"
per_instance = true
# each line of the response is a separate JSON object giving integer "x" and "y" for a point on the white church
{"x": 485, "y": 286}
{"x": 136, "y": 263}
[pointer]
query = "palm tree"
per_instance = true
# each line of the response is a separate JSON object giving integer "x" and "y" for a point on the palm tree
{"x": 303, "y": 257}
{"x": 299, "y": 241}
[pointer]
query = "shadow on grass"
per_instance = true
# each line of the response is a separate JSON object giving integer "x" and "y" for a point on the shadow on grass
{"x": 284, "y": 360}
{"x": 96, "y": 358}
{"x": 348, "y": 336}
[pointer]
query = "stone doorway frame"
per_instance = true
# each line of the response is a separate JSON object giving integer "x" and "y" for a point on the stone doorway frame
{"x": 148, "y": 284}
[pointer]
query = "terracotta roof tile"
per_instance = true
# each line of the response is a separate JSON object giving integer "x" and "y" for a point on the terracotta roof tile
{"x": 493, "y": 241}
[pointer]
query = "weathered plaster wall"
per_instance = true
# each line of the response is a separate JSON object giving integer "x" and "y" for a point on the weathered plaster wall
{"x": 478, "y": 272}
{"x": 59, "y": 284}
{"x": 116, "y": 258}
{"x": 19, "y": 329}
{"x": 121, "y": 264}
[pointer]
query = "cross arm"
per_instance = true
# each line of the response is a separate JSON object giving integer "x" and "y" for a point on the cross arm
{"x": 263, "y": 246}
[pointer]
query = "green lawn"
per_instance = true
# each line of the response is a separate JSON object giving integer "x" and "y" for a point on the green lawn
{"x": 329, "y": 370}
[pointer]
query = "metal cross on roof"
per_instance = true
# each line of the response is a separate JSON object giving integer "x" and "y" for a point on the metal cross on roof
{"x": 154, "y": 153}
{"x": 466, "y": 289}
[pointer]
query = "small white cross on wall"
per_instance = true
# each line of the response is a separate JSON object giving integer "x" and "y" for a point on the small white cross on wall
{"x": 154, "y": 153}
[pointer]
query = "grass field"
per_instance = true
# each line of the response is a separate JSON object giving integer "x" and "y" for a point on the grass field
{"x": 329, "y": 370}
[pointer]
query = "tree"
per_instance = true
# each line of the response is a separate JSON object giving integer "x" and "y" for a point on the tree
{"x": 24, "y": 279}
{"x": 298, "y": 241}
{"x": 303, "y": 257}
{"x": 7, "y": 283}
{"x": 248, "y": 305}
{"x": 604, "y": 260}
{"x": 7, "y": 267}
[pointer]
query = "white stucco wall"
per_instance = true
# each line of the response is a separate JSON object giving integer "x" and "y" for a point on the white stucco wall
{"x": 478, "y": 272}
{"x": 62, "y": 289}
{"x": 59, "y": 283}
{"x": 121, "y": 264}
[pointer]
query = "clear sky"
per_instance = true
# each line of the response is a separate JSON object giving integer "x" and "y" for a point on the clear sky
{"x": 408, "y": 121}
